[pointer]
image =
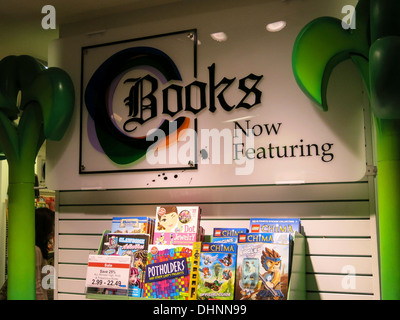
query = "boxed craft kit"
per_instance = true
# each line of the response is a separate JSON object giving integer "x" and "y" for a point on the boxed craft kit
{"x": 135, "y": 246}
{"x": 177, "y": 225}
{"x": 168, "y": 272}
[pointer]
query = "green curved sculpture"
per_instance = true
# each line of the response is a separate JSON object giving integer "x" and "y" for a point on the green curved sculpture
{"x": 44, "y": 112}
{"x": 374, "y": 47}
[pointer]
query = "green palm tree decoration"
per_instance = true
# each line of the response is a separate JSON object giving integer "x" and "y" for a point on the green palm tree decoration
{"x": 44, "y": 112}
{"x": 374, "y": 47}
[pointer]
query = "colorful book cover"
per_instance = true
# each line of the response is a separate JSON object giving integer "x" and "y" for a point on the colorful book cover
{"x": 227, "y": 235}
{"x": 134, "y": 245}
{"x": 263, "y": 262}
{"x": 177, "y": 225}
{"x": 265, "y": 225}
{"x": 168, "y": 272}
{"x": 194, "y": 271}
{"x": 131, "y": 225}
{"x": 217, "y": 270}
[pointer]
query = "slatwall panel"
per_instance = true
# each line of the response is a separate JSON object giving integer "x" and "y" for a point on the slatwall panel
{"x": 338, "y": 220}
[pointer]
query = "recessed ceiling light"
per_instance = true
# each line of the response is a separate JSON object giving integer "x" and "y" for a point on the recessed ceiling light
{"x": 276, "y": 26}
{"x": 219, "y": 36}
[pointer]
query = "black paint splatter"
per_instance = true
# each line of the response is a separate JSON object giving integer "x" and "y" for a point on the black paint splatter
{"x": 204, "y": 154}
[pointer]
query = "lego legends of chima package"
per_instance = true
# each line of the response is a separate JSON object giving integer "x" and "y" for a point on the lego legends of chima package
{"x": 262, "y": 271}
{"x": 227, "y": 235}
{"x": 217, "y": 271}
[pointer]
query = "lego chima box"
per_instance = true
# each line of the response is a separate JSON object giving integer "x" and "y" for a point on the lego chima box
{"x": 217, "y": 269}
{"x": 263, "y": 264}
{"x": 227, "y": 235}
{"x": 267, "y": 225}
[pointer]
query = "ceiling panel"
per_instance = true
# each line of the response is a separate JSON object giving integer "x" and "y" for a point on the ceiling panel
{"x": 70, "y": 10}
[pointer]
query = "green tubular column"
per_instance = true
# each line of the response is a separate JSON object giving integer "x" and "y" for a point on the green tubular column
{"x": 388, "y": 153}
{"x": 21, "y": 197}
{"x": 21, "y": 241}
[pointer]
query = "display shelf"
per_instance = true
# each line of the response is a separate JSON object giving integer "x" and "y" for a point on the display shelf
{"x": 297, "y": 282}
{"x": 97, "y": 296}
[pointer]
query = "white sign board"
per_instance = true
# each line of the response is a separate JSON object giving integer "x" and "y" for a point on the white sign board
{"x": 110, "y": 272}
{"x": 183, "y": 109}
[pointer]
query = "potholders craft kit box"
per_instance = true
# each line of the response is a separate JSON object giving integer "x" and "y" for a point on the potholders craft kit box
{"x": 168, "y": 272}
